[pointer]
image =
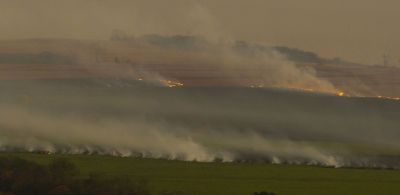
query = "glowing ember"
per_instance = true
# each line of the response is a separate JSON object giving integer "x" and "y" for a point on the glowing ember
{"x": 171, "y": 84}
{"x": 389, "y": 98}
{"x": 341, "y": 94}
{"x": 256, "y": 86}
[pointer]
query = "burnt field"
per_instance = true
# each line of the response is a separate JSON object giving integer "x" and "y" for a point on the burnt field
{"x": 66, "y": 59}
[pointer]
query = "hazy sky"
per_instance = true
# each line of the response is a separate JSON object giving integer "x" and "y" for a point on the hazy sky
{"x": 357, "y": 30}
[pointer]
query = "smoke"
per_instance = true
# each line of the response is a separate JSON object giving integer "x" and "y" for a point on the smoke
{"x": 272, "y": 69}
{"x": 158, "y": 57}
{"x": 202, "y": 124}
{"x": 41, "y": 132}
{"x": 107, "y": 107}
{"x": 97, "y": 19}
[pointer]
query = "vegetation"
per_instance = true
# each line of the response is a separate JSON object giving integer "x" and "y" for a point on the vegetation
{"x": 177, "y": 177}
{"x": 20, "y": 176}
{"x": 242, "y": 47}
{"x": 264, "y": 193}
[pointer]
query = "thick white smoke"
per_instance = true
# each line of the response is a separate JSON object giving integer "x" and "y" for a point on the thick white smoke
{"x": 202, "y": 124}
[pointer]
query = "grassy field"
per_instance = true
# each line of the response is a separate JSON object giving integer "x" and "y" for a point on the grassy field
{"x": 233, "y": 178}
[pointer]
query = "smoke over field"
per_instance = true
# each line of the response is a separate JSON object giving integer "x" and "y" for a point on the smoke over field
{"x": 179, "y": 83}
{"x": 188, "y": 98}
{"x": 131, "y": 118}
{"x": 193, "y": 61}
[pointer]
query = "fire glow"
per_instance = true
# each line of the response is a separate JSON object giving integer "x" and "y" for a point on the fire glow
{"x": 172, "y": 84}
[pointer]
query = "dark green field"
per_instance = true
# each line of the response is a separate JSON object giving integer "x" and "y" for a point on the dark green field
{"x": 180, "y": 177}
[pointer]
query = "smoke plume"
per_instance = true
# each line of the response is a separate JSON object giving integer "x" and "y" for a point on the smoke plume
{"x": 202, "y": 124}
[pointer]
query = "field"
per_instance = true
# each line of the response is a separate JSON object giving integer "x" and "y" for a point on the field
{"x": 164, "y": 176}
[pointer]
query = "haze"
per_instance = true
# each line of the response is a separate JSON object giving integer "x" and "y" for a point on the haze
{"x": 359, "y": 31}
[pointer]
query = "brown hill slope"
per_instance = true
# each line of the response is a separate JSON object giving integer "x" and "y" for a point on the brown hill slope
{"x": 111, "y": 59}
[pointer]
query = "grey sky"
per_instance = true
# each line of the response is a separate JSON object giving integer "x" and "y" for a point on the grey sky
{"x": 358, "y": 30}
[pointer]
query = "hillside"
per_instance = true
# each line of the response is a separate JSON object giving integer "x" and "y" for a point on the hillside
{"x": 198, "y": 64}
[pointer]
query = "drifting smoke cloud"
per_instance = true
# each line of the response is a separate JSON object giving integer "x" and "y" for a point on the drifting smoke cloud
{"x": 42, "y": 132}
{"x": 273, "y": 70}
{"x": 119, "y": 118}
{"x": 188, "y": 18}
{"x": 238, "y": 124}
{"x": 71, "y": 135}
{"x": 158, "y": 57}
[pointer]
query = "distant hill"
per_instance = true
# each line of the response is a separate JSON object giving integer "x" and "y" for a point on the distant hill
{"x": 243, "y": 47}
{"x": 35, "y": 58}
{"x": 191, "y": 60}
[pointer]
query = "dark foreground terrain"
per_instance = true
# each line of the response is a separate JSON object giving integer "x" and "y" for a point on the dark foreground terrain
{"x": 154, "y": 176}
